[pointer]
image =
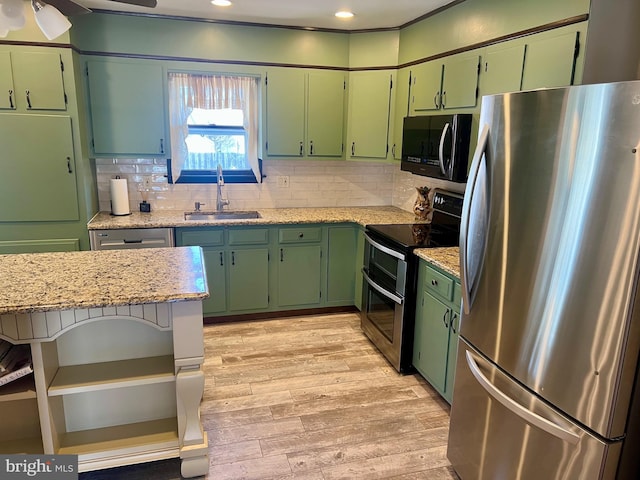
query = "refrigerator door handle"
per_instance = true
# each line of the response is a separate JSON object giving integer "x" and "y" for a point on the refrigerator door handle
{"x": 527, "y": 415}
{"x": 483, "y": 140}
{"x": 441, "y": 149}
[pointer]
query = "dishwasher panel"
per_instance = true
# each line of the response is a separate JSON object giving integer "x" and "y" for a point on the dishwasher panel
{"x": 131, "y": 238}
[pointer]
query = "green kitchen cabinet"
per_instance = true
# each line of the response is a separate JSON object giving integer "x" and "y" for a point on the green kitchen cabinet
{"x": 370, "y": 94}
{"x": 299, "y": 275}
{"x": 501, "y": 69}
{"x": 402, "y": 100}
{"x": 31, "y": 81}
{"x": 248, "y": 270}
{"x": 325, "y": 113}
{"x": 285, "y": 99}
{"x": 38, "y": 181}
{"x": 215, "y": 261}
{"x": 426, "y": 86}
{"x": 446, "y": 83}
{"x": 550, "y": 60}
{"x": 304, "y": 113}
{"x": 126, "y": 102}
{"x": 299, "y": 266}
{"x": 359, "y": 263}
{"x": 436, "y": 328}
{"x": 341, "y": 274}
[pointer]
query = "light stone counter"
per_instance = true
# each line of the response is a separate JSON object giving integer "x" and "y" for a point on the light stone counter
{"x": 270, "y": 216}
{"x": 445, "y": 258}
{"x": 42, "y": 282}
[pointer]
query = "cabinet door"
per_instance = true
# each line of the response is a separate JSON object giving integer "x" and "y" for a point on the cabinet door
{"x": 502, "y": 70}
{"x": 37, "y": 77}
{"x": 460, "y": 81}
{"x": 325, "y": 114}
{"x": 38, "y": 181}
{"x": 285, "y": 112}
{"x": 431, "y": 340}
{"x": 369, "y": 106}
{"x": 7, "y": 91}
{"x": 452, "y": 355}
{"x": 426, "y": 84}
{"x": 215, "y": 265}
{"x": 402, "y": 110}
{"x": 299, "y": 275}
{"x": 248, "y": 279}
{"x": 341, "y": 259}
{"x": 549, "y": 62}
{"x": 127, "y": 108}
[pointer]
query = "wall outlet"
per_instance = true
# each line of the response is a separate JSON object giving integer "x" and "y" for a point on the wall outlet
{"x": 146, "y": 182}
{"x": 283, "y": 181}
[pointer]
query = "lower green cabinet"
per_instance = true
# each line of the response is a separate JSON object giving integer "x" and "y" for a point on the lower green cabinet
{"x": 299, "y": 275}
{"x": 216, "y": 279}
{"x": 256, "y": 269}
{"x": 248, "y": 279}
{"x": 436, "y": 328}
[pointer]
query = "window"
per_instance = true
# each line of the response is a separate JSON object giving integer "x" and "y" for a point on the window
{"x": 214, "y": 120}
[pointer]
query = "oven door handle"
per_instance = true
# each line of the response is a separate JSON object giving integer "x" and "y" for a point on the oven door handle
{"x": 380, "y": 290}
{"x": 384, "y": 249}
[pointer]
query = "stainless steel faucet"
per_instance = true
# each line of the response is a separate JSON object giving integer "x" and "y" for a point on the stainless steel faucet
{"x": 221, "y": 201}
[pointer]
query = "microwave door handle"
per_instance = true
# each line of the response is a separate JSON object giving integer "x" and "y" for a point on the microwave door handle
{"x": 441, "y": 149}
{"x": 380, "y": 290}
{"x": 384, "y": 249}
{"x": 481, "y": 148}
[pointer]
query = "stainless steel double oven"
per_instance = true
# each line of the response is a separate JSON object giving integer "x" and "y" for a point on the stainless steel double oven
{"x": 390, "y": 276}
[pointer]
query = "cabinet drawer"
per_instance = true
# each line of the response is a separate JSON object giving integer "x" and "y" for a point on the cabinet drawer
{"x": 203, "y": 238}
{"x": 457, "y": 296}
{"x": 439, "y": 283}
{"x": 255, "y": 236}
{"x": 300, "y": 235}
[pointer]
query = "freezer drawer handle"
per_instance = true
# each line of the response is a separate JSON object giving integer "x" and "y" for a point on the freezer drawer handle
{"x": 527, "y": 415}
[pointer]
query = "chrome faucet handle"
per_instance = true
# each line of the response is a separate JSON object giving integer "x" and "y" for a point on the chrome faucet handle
{"x": 198, "y": 205}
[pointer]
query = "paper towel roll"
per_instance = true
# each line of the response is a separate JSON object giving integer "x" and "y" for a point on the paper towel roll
{"x": 119, "y": 197}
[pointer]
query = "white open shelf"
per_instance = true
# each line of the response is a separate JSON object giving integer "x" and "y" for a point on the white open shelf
{"x": 107, "y": 375}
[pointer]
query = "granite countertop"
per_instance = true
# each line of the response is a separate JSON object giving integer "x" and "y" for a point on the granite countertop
{"x": 269, "y": 216}
{"x": 40, "y": 282}
{"x": 447, "y": 258}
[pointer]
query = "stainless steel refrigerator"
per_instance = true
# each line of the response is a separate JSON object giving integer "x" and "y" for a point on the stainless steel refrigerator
{"x": 546, "y": 380}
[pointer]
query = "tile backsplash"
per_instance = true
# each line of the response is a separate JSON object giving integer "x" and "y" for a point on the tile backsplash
{"x": 311, "y": 184}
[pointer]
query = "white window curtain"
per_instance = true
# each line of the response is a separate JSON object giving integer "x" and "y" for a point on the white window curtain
{"x": 188, "y": 91}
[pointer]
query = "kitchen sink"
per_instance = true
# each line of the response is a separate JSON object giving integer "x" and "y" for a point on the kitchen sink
{"x": 222, "y": 215}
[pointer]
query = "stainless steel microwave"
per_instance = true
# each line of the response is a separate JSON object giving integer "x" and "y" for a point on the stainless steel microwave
{"x": 437, "y": 146}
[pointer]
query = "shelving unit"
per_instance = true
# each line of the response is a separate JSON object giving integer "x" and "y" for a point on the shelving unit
{"x": 110, "y": 388}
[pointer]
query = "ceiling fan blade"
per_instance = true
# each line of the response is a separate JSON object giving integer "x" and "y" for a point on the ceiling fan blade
{"x": 67, "y": 7}
{"x": 142, "y": 3}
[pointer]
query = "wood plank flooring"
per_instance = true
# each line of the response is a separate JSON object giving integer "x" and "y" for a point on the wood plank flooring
{"x": 310, "y": 398}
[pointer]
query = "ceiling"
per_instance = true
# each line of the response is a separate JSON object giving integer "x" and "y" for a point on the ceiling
{"x": 369, "y": 14}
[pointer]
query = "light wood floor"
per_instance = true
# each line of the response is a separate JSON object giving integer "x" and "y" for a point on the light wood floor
{"x": 310, "y": 398}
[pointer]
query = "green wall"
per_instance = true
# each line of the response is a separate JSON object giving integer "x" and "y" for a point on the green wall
{"x": 475, "y": 21}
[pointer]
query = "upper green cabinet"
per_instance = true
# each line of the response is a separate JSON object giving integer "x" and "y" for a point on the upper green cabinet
{"x": 304, "y": 113}
{"x": 127, "y": 108}
{"x": 402, "y": 110}
{"x": 38, "y": 181}
{"x": 448, "y": 83}
{"x": 502, "y": 69}
{"x": 31, "y": 81}
{"x": 370, "y": 94}
{"x": 549, "y": 61}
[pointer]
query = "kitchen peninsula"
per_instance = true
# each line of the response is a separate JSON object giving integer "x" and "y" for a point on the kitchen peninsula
{"x": 117, "y": 351}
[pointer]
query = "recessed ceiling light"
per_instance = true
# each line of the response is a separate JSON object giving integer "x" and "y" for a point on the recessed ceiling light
{"x": 221, "y": 3}
{"x": 344, "y": 14}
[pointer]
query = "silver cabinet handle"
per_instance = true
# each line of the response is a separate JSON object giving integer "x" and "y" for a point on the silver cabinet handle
{"x": 11, "y": 99}
{"x": 28, "y": 93}
{"x": 311, "y": 147}
{"x": 435, "y": 100}
{"x": 69, "y": 165}
{"x": 524, "y": 413}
